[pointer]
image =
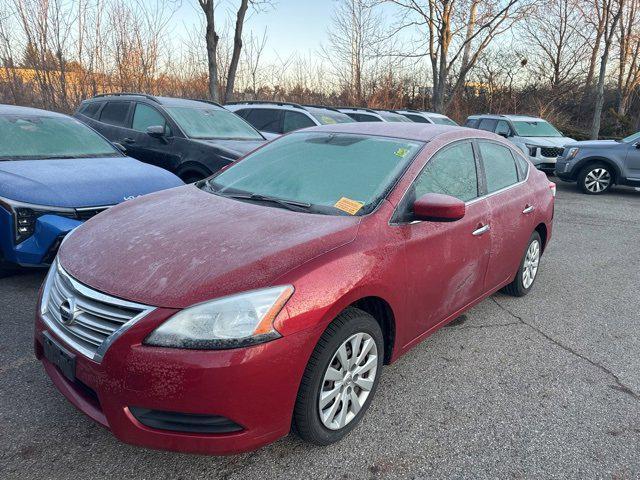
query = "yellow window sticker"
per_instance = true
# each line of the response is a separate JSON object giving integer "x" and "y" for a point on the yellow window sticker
{"x": 347, "y": 205}
{"x": 327, "y": 120}
{"x": 402, "y": 152}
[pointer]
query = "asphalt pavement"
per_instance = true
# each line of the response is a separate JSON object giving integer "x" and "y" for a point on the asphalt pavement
{"x": 545, "y": 386}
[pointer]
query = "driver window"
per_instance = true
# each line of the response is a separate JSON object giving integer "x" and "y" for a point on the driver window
{"x": 146, "y": 116}
{"x": 503, "y": 129}
{"x": 451, "y": 171}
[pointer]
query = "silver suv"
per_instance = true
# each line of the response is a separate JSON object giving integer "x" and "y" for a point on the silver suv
{"x": 426, "y": 117}
{"x": 277, "y": 118}
{"x": 536, "y": 137}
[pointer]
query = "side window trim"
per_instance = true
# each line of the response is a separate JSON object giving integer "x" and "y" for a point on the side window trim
{"x": 518, "y": 183}
{"x": 396, "y": 216}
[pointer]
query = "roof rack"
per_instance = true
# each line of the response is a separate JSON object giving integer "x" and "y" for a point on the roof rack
{"x": 210, "y": 102}
{"x": 322, "y": 106}
{"x": 266, "y": 102}
{"x": 364, "y": 109}
{"x": 128, "y": 94}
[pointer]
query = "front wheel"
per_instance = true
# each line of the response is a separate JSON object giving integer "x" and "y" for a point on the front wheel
{"x": 595, "y": 179}
{"x": 340, "y": 379}
{"x": 526, "y": 276}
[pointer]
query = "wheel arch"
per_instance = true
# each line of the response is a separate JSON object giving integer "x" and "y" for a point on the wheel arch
{"x": 617, "y": 174}
{"x": 381, "y": 310}
{"x": 192, "y": 168}
{"x": 542, "y": 230}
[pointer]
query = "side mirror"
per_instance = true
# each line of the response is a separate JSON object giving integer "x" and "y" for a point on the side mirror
{"x": 120, "y": 147}
{"x": 156, "y": 131}
{"x": 439, "y": 207}
{"x": 637, "y": 145}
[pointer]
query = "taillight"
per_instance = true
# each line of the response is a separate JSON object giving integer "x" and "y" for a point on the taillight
{"x": 552, "y": 187}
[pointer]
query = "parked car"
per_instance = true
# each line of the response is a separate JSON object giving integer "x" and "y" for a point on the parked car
{"x": 536, "y": 137}
{"x": 596, "y": 165}
{"x": 191, "y": 138}
{"x": 277, "y": 289}
{"x": 284, "y": 117}
{"x": 369, "y": 115}
{"x": 55, "y": 173}
{"x": 426, "y": 117}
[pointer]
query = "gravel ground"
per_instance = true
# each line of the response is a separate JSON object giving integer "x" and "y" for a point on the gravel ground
{"x": 547, "y": 386}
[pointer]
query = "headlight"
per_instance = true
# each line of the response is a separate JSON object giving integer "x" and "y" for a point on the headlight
{"x": 228, "y": 322}
{"x": 533, "y": 149}
{"x": 571, "y": 154}
{"x": 25, "y": 216}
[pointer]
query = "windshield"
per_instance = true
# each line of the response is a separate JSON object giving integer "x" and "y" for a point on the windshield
{"x": 336, "y": 173}
{"x": 393, "y": 117}
{"x": 535, "y": 128}
{"x": 328, "y": 117}
{"x": 632, "y": 138}
{"x": 38, "y": 138}
{"x": 210, "y": 123}
{"x": 442, "y": 120}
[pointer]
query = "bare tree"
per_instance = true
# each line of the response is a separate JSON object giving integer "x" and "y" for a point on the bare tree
{"x": 629, "y": 56}
{"x": 611, "y": 12}
{"x": 211, "y": 39}
{"x": 457, "y": 32}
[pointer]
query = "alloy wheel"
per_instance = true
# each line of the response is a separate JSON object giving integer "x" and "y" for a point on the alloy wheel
{"x": 530, "y": 267}
{"x": 348, "y": 381}
{"x": 597, "y": 180}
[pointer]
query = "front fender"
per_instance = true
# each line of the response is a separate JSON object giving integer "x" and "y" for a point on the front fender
{"x": 580, "y": 164}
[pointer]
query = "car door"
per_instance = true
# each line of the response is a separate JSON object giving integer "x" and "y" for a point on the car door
{"x": 114, "y": 118}
{"x": 446, "y": 261}
{"x": 159, "y": 151}
{"x": 512, "y": 203}
{"x": 632, "y": 162}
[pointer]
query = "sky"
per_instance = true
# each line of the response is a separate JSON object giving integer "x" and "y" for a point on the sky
{"x": 292, "y": 25}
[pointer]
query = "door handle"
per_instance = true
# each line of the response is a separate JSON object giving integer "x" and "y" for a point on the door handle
{"x": 528, "y": 209}
{"x": 129, "y": 140}
{"x": 481, "y": 230}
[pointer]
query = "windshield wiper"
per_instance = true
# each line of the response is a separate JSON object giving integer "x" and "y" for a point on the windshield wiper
{"x": 290, "y": 204}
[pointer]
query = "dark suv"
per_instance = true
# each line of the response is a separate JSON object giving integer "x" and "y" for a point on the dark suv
{"x": 191, "y": 138}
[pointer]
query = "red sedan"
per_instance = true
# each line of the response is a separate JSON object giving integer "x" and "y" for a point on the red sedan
{"x": 216, "y": 317}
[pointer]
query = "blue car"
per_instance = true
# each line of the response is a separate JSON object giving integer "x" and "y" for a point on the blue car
{"x": 55, "y": 173}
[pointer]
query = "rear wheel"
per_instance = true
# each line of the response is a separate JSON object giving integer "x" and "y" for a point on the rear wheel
{"x": 340, "y": 379}
{"x": 526, "y": 276}
{"x": 595, "y": 179}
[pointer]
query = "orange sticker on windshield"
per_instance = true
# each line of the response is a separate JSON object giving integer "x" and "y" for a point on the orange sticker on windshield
{"x": 350, "y": 206}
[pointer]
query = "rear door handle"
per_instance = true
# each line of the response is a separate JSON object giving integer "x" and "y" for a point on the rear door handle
{"x": 528, "y": 209}
{"x": 129, "y": 140}
{"x": 481, "y": 230}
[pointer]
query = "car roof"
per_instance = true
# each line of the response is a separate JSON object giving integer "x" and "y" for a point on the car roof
{"x": 267, "y": 104}
{"x": 17, "y": 110}
{"x": 423, "y": 132}
{"x": 525, "y": 118}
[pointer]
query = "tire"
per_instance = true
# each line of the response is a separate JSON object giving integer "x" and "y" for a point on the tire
{"x": 307, "y": 421}
{"x": 520, "y": 285}
{"x": 596, "y": 178}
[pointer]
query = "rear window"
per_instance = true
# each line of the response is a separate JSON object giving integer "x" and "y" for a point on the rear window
{"x": 115, "y": 113}
{"x": 443, "y": 121}
{"x": 393, "y": 117}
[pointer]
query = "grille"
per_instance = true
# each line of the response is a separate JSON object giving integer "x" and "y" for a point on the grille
{"x": 551, "y": 152}
{"x": 85, "y": 319}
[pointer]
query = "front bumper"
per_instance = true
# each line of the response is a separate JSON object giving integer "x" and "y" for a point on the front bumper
{"x": 40, "y": 248}
{"x": 254, "y": 387}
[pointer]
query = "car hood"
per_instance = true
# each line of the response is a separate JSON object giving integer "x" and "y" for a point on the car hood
{"x": 547, "y": 141}
{"x": 177, "y": 248}
{"x": 82, "y": 182}
{"x": 597, "y": 144}
{"x": 235, "y": 148}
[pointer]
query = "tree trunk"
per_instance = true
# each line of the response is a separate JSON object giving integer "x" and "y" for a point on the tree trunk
{"x": 211, "y": 38}
{"x": 237, "y": 47}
